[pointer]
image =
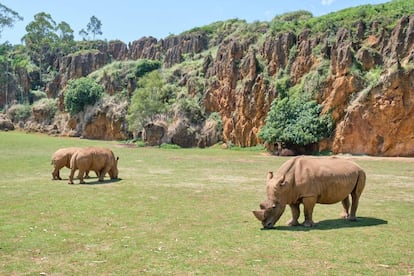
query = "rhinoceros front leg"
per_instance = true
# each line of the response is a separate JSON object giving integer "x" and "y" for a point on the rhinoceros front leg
{"x": 308, "y": 205}
{"x": 55, "y": 174}
{"x": 294, "y": 208}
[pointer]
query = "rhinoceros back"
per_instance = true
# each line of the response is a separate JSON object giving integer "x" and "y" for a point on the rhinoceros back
{"x": 332, "y": 179}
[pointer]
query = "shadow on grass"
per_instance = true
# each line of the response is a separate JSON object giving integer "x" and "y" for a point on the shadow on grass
{"x": 334, "y": 224}
{"x": 97, "y": 182}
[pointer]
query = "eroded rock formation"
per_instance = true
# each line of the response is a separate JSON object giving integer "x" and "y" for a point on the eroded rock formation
{"x": 372, "y": 117}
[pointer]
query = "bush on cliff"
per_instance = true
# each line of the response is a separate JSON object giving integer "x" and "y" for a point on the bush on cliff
{"x": 294, "y": 121}
{"x": 145, "y": 66}
{"x": 150, "y": 99}
{"x": 80, "y": 93}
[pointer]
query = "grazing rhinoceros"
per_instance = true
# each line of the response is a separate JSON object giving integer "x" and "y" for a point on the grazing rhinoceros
{"x": 309, "y": 181}
{"x": 100, "y": 160}
{"x": 61, "y": 158}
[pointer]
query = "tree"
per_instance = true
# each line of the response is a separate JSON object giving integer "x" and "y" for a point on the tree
{"x": 150, "y": 99}
{"x": 294, "y": 121}
{"x": 4, "y": 70}
{"x": 80, "y": 93}
{"x": 45, "y": 38}
{"x": 94, "y": 27}
{"x": 66, "y": 37}
{"x": 40, "y": 38}
{"x": 7, "y": 17}
{"x": 41, "y": 31}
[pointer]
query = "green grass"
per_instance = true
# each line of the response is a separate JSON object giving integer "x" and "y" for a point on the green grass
{"x": 188, "y": 211}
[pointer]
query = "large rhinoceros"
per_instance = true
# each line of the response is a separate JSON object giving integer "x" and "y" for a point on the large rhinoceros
{"x": 309, "y": 181}
{"x": 100, "y": 160}
{"x": 61, "y": 158}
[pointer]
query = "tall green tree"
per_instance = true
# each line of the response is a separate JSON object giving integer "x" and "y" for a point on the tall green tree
{"x": 45, "y": 38}
{"x": 7, "y": 17}
{"x": 94, "y": 27}
{"x": 40, "y": 38}
{"x": 5, "y": 62}
{"x": 66, "y": 37}
{"x": 150, "y": 99}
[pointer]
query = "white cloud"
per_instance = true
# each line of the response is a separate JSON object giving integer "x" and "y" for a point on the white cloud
{"x": 327, "y": 2}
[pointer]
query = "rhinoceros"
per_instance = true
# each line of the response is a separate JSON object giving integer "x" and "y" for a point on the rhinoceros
{"x": 61, "y": 158}
{"x": 307, "y": 181}
{"x": 100, "y": 160}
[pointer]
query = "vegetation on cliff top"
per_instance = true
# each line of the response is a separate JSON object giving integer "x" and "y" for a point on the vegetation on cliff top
{"x": 186, "y": 81}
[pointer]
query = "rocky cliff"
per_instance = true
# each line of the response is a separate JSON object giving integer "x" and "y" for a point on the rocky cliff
{"x": 362, "y": 74}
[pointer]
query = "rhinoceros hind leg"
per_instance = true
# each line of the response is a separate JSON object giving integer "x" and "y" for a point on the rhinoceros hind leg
{"x": 309, "y": 223}
{"x": 351, "y": 218}
{"x": 345, "y": 204}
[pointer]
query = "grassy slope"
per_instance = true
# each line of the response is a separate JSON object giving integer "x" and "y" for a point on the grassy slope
{"x": 188, "y": 211}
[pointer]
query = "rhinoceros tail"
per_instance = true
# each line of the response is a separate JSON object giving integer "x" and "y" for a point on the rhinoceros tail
{"x": 360, "y": 182}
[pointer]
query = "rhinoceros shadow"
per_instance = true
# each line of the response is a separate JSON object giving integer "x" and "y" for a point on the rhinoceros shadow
{"x": 89, "y": 181}
{"x": 339, "y": 223}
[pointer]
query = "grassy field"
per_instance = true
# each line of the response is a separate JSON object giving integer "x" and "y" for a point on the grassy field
{"x": 188, "y": 211}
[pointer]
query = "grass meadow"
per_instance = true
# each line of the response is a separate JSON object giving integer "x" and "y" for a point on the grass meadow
{"x": 188, "y": 212}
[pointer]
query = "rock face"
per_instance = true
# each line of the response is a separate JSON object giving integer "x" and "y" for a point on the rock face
{"x": 181, "y": 133}
{"x": 154, "y": 134}
{"x": 383, "y": 123}
{"x": 5, "y": 123}
{"x": 373, "y": 116}
{"x": 378, "y": 121}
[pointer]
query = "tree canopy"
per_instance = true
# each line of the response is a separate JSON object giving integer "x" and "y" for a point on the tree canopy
{"x": 151, "y": 98}
{"x": 7, "y": 17}
{"x": 94, "y": 27}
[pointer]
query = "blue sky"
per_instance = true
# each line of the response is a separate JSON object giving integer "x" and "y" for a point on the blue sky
{"x": 129, "y": 20}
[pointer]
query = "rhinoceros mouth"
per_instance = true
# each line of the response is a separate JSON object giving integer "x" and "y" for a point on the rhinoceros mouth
{"x": 269, "y": 225}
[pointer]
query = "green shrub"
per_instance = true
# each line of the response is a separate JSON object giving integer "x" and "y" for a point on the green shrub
{"x": 19, "y": 112}
{"x": 80, "y": 93}
{"x": 140, "y": 143}
{"x": 296, "y": 121}
{"x": 36, "y": 95}
{"x": 282, "y": 86}
{"x": 192, "y": 108}
{"x": 47, "y": 105}
{"x": 169, "y": 146}
{"x": 216, "y": 117}
{"x": 150, "y": 99}
{"x": 118, "y": 72}
{"x": 145, "y": 66}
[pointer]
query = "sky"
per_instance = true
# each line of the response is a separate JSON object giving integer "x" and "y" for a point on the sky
{"x": 129, "y": 20}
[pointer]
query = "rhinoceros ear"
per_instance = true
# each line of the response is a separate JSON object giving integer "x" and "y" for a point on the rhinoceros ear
{"x": 259, "y": 215}
{"x": 269, "y": 175}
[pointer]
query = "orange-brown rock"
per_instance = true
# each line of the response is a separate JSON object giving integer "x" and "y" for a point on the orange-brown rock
{"x": 382, "y": 124}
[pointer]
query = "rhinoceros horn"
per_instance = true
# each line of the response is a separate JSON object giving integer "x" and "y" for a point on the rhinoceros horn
{"x": 259, "y": 215}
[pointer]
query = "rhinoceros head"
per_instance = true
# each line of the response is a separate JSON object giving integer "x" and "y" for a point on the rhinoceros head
{"x": 113, "y": 172}
{"x": 269, "y": 213}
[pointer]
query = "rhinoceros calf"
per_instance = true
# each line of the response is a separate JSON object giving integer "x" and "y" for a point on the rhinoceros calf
{"x": 307, "y": 181}
{"x": 100, "y": 160}
{"x": 61, "y": 158}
